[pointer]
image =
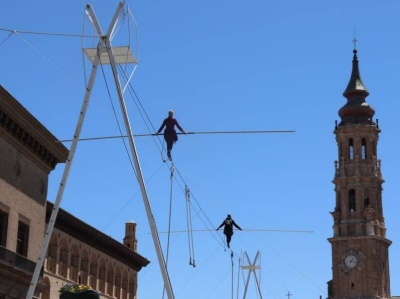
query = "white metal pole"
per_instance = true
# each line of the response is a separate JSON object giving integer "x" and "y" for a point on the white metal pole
{"x": 152, "y": 223}
{"x": 103, "y": 45}
{"x": 56, "y": 207}
{"x": 248, "y": 275}
{"x": 255, "y": 275}
{"x": 64, "y": 178}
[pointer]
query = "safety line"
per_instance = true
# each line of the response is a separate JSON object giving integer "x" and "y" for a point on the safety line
{"x": 294, "y": 267}
{"x": 11, "y": 33}
{"x": 48, "y": 60}
{"x": 46, "y": 33}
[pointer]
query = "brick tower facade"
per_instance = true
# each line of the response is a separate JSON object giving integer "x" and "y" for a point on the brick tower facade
{"x": 130, "y": 240}
{"x": 360, "y": 262}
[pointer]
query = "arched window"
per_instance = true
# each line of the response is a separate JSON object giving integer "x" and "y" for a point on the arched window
{"x": 132, "y": 285}
{"x": 367, "y": 200}
{"x": 84, "y": 271}
{"x": 110, "y": 279}
{"x": 352, "y": 200}
{"x": 93, "y": 271}
{"x": 51, "y": 259}
{"x": 124, "y": 284}
{"x": 102, "y": 276}
{"x": 74, "y": 263}
{"x": 351, "y": 149}
{"x": 46, "y": 291}
{"x": 64, "y": 254}
{"x": 363, "y": 149}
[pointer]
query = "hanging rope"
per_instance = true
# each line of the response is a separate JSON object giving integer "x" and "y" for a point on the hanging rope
{"x": 232, "y": 274}
{"x": 200, "y": 212}
{"x": 238, "y": 277}
{"x": 169, "y": 221}
{"x": 170, "y": 212}
{"x": 192, "y": 262}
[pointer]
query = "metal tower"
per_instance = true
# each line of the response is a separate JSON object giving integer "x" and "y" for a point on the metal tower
{"x": 252, "y": 267}
{"x": 104, "y": 54}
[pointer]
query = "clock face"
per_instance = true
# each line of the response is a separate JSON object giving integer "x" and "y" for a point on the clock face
{"x": 350, "y": 261}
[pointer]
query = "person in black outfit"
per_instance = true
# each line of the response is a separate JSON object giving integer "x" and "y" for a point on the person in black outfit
{"x": 228, "y": 224}
{"x": 170, "y": 135}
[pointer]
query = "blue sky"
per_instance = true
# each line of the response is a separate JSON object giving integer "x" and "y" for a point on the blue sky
{"x": 222, "y": 66}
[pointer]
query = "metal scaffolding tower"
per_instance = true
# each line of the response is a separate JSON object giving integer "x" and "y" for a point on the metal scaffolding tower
{"x": 252, "y": 267}
{"x": 103, "y": 54}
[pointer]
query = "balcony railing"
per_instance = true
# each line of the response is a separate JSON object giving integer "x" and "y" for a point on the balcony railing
{"x": 17, "y": 261}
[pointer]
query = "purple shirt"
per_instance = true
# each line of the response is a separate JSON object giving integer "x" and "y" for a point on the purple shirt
{"x": 170, "y": 134}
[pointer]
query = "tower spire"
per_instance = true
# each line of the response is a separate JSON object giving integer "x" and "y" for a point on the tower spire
{"x": 356, "y": 110}
{"x": 355, "y": 83}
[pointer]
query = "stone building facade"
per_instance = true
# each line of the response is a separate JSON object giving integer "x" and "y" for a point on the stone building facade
{"x": 77, "y": 252}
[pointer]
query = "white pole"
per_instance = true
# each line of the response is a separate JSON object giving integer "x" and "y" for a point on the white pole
{"x": 103, "y": 45}
{"x": 152, "y": 223}
{"x": 61, "y": 188}
{"x": 64, "y": 178}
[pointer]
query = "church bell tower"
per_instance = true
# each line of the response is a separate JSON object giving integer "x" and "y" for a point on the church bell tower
{"x": 360, "y": 257}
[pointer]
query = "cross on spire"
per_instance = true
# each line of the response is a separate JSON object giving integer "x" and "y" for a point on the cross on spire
{"x": 355, "y": 40}
{"x": 288, "y": 295}
{"x": 355, "y": 43}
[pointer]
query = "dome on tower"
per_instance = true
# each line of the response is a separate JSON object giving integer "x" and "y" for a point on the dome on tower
{"x": 356, "y": 110}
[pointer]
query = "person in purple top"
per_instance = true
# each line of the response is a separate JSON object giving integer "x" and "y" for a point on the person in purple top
{"x": 170, "y": 135}
{"x": 228, "y": 225}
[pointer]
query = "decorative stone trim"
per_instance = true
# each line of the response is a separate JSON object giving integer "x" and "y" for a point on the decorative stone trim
{"x": 10, "y": 126}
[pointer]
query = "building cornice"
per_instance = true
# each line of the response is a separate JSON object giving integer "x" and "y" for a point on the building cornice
{"x": 357, "y": 238}
{"x": 19, "y": 127}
